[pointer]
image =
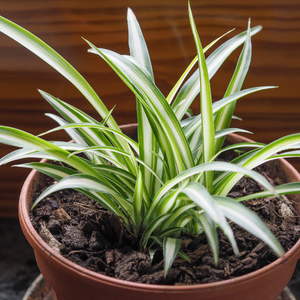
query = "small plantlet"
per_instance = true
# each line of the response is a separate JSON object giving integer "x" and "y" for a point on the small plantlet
{"x": 239, "y": 152}
{"x": 169, "y": 182}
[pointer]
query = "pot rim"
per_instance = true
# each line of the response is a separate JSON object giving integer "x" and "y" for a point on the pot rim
{"x": 34, "y": 238}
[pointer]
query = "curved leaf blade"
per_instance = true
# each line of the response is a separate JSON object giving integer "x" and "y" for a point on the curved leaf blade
{"x": 50, "y": 56}
{"x": 171, "y": 248}
{"x": 247, "y": 219}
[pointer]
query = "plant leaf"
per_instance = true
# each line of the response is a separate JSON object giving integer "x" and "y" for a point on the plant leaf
{"x": 244, "y": 217}
{"x": 283, "y": 189}
{"x": 200, "y": 195}
{"x": 208, "y": 133}
{"x": 54, "y": 171}
{"x": 219, "y": 105}
{"x": 259, "y": 157}
{"x": 188, "y": 69}
{"x": 146, "y": 137}
{"x": 171, "y": 248}
{"x": 158, "y": 221}
{"x": 138, "y": 202}
{"x": 191, "y": 87}
{"x": 174, "y": 141}
{"x": 224, "y": 116}
{"x": 209, "y": 228}
{"x": 212, "y": 166}
{"x": 137, "y": 44}
{"x": 19, "y": 138}
{"x": 46, "y": 53}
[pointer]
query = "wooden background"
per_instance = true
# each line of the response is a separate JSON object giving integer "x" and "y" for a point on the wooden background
{"x": 62, "y": 23}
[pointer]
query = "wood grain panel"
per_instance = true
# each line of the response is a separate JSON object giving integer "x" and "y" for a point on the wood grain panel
{"x": 62, "y": 23}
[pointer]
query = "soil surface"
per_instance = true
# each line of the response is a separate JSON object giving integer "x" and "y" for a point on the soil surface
{"x": 87, "y": 234}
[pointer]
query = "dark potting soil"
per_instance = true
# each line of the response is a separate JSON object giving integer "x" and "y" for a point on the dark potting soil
{"x": 90, "y": 236}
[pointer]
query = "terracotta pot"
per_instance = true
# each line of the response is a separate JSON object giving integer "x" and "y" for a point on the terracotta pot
{"x": 72, "y": 282}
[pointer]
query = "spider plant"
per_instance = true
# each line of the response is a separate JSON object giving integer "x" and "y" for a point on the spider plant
{"x": 168, "y": 182}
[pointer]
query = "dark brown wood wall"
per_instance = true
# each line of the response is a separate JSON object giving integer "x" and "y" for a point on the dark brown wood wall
{"x": 62, "y": 23}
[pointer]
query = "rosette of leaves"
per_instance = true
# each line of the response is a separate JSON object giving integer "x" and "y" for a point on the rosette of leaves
{"x": 169, "y": 181}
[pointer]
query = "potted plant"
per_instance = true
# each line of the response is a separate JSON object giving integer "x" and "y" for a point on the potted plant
{"x": 167, "y": 185}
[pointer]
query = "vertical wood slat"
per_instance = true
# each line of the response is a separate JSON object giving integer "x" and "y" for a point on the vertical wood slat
{"x": 269, "y": 114}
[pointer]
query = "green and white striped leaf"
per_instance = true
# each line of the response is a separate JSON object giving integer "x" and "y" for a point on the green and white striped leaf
{"x": 244, "y": 217}
{"x": 90, "y": 184}
{"x": 177, "y": 214}
{"x": 219, "y": 134}
{"x": 175, "y": 143}
{"x": 50, "y": 56}
{"x": 22, "y": 154}
{"x": 192, "y": 86}
{"x": 128, "y": 140}
{"x": 224, "y": 116}
{"x": 116, "y": 163}
{"x": 18, "y": 138}
{"x": 168, "y": 202}
{"x": 73, "y": 134}
{"x": 221, "y": 104}
{"x": 289, "y": 154}
{"x": 54, "y": 171}
{"x": 154, "y": 224}
{"x": 138, "y": 202}
{"x": 212, "y": 166}
{"x": 86, "y": 135}
{"x": 171, "y": 248}
{"x": 147, "y": 141}
{"x": 120, "y": 174}
{"x": 239, "y": 146}
{"x": 78, "y": 181}
{"x": 200, "y": 195}
{"x": 137, "y": 44}
{"x": 284, "y": 189}
{"x": 207, "y": 118}
{"x": 171, "y": 232}
{"x": 209, "y": 228}
{"x": 187, "y": 71}
{"x": 256, "y": 159}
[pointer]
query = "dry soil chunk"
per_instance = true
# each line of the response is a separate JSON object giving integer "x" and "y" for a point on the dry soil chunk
{"x": 74, "y": 238}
